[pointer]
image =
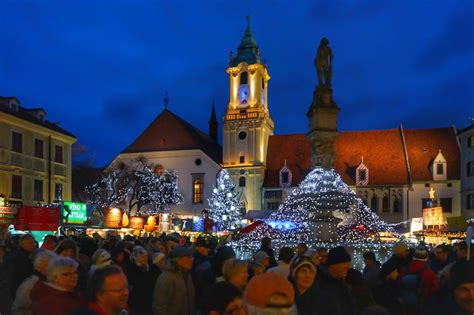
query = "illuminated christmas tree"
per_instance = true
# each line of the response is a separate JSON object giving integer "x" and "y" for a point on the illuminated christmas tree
{"x": 224, "y": 204}
{"x": 322, "y": 209}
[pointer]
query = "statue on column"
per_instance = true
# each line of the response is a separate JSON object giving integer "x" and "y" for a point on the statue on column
{"x": 323, "y": 63}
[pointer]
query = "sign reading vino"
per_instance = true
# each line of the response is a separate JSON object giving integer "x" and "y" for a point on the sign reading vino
{"x": 74, "y": 212}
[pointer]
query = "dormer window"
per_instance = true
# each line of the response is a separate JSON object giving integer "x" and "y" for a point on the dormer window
{"x": 14, "y": 105}
{"x": 470, "y": 142}
{"x": 362, "y": 174}
{"x": 439, "y": 167}
{"x": 40, "y": 116}
{"x": 285, "y": 176}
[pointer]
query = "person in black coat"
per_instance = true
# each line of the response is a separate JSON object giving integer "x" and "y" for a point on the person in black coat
{"x": 399, "y": 261}
{"x": 267, "y": 248}
{"x": 18, "y": 265}
{"x": 332, "y": 282}
{"x": 309, "y": 299}
{"x": 140, "y": 282}
{"x": 202, "y": 272}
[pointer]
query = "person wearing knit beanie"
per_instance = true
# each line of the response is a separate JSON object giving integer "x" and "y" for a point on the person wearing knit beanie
{"x": 332, "y": 282}
{"x": 462, "y": 284}
{"x": 302, "y": 273}
{"x": 100, "y": 258}
{"x": 338, "y": 263}
{"x": 421, "y": 253}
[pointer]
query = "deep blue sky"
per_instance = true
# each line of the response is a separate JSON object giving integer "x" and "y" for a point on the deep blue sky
{"x": 101, "y": 68}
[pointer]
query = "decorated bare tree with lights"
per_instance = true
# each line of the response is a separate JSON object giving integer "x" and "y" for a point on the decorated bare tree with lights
{"x": 138, "y": 186}
{"x": 224, "y": 205}
{"x": 110, "y": 190}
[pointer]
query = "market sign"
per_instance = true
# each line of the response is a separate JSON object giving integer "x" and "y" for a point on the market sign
{"x": 136, "y": 223}
{"x": 74, "y": 212}
{"x": 433, "y": 217}
{"x": 7, "y": 215}
{"x": 29, "y": 218}
{"x": 112, "y": 218}
{"x": 456, "y": 224}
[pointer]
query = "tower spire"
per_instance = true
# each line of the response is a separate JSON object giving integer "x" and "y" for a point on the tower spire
{"x": 248, "y": 50}
{"x": 213, "y": 123}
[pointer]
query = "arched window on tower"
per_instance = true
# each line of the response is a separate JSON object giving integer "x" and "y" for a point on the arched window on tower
{"x": 197, "y": 190}
{"x": 244, "y": 92}
{"x": 242, "y": 181}
{"x": 374, "y": 204}
{"x": 244, "y": 78}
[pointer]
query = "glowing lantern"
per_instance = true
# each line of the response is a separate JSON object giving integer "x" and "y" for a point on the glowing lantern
{"x": 125, "y": 220}
{"x": 150, "y": 224}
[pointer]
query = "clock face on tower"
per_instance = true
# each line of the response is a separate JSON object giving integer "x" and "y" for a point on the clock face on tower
{"x": 243, "y": 95}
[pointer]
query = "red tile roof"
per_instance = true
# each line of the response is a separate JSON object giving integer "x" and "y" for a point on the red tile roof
{"x": 423, "y": 146}
{"x": 168, "y": 132}
{"x": 382, "y": 151}
{"x": 383, "y": 155}
{"x": 296, "y": 150}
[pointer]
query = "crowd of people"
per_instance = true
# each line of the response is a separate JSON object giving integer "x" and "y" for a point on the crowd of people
{"x": 169, "y": 275}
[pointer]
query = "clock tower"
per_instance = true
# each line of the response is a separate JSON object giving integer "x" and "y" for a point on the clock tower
{"x": 247, "y": 124}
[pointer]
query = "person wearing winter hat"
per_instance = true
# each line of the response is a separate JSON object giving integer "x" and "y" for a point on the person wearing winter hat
{"x": 100, "y": 258}
{"x": 462, "y": 284}
{"x": 270, "y": 293}
{"x": 308, "y": 298}
{"x": 399, "y": 261}
{"x": 140, "y": 281}
{"x": 171, "y": 241}
{"x": 202, "y": 271}
{"x": 332, "y": 281}
{"x": 174, "y": 289}
{"x": 158, "y": 262}
{"x": 419, "y": 268}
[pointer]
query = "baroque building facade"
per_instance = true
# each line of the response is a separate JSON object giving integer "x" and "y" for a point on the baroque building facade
{"x": 35, "y": 156}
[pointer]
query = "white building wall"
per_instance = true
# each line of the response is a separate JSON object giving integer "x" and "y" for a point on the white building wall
{"x": 419, "y": 192}
{"x": 467, "y": 182}
{"x": 183, "y": 162}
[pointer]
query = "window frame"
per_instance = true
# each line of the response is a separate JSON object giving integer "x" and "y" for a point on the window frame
{"x": 61, "y": 160}
{"x": 441, "y": 202}
{"x": 36, "y": 146}
{"x": 14, "y": 144}
{"x": 242, "y": 181}
{"x": 439, "y": 169}
{"x": 16, "y": 194}
{"x": 38, "y": 190}
{"x": 470, "y": 201}
{"x": 198, "y": 191}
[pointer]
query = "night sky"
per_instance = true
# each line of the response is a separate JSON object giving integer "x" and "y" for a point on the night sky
{"x": 101, "y": 68}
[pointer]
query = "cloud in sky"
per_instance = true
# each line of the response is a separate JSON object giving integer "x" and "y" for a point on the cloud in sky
{"x": 102, "y": 68}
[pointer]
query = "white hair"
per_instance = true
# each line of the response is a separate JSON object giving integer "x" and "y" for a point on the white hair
{"x": 58, "y": 264}
{"x": 43, "y": 257}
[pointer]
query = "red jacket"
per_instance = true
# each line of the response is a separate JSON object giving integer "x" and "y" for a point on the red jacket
{"x": 430, "y": 281}
{"x": 48, "y": 300}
